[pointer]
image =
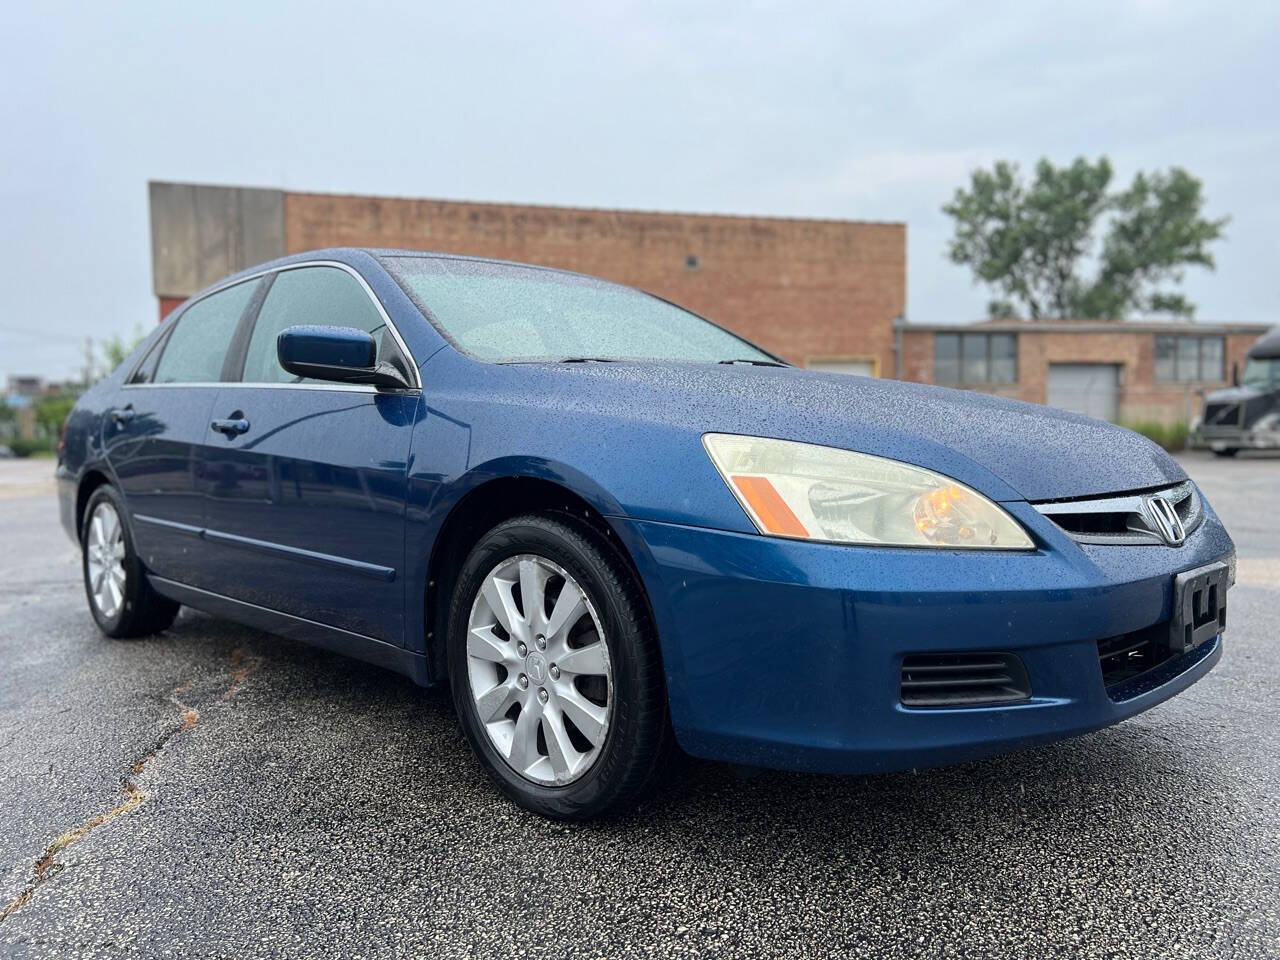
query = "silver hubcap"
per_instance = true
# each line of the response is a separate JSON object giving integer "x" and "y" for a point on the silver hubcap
{"x": 105, "y": 549}
{"x": 539, "y": 670}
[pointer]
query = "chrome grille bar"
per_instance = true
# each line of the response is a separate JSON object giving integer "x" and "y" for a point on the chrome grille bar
{"x": 1123, "y": 519}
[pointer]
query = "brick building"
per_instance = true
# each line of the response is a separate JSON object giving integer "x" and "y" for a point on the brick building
{"x": 828, "y": 294}
{"x": 816, "y": 292}
{"x": 1131, "y": 372}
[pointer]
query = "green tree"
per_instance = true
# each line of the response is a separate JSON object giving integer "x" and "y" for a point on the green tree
{"x": 113, "y": 351}
{"x": 51, "y": 411}
{"x": 1031, "y": 241}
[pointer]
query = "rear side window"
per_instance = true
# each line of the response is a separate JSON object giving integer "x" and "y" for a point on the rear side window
{"x": 323, "y": 296}
{"x": 198, "y": 344}
{"x": 146, "y": 372}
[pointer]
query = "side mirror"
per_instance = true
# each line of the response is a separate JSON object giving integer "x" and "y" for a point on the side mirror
{"x": 341, "y": 354}
{"x": 1235, "y": 373}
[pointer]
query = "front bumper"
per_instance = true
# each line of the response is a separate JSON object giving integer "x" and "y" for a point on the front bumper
{"x": 788, "y": 654}
{"x": 1233, "y": 438}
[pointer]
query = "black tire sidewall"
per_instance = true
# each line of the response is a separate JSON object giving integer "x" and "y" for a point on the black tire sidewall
{"x": 599, "y": 575}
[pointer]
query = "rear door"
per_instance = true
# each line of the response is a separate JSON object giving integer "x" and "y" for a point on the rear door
{"x": 305, "y": 508}
{"x": 156, "y": 434}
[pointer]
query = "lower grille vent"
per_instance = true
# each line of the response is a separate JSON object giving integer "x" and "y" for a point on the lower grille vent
{"x": 1133, "y": 654}
{"x": 1223, "y": 414}
{"x": 963, "y": 679}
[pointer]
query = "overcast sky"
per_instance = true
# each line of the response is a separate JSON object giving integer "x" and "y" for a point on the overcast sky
{"x": 864, "y": 111}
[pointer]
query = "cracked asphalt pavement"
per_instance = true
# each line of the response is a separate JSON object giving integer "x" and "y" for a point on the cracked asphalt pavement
{"x": 216, "y": 791}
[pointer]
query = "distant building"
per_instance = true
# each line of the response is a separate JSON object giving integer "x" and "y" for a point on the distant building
{"x": 20, "y": 395}
{"x": 819, "y": 292}
{"x": 23, "y": 386}
{"x": 826, "y": 294}
{"x": 1121, "y": 371}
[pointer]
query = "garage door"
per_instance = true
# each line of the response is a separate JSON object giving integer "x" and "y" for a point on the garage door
{"x": 1088, "y": 388}
{"x": 860, "y": 368}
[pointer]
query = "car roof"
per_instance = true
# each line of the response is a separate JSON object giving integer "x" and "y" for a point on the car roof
{"x": 354, "y": 256}
{"x": 1268, "y": 346}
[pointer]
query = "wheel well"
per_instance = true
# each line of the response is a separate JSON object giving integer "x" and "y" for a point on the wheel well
{"x": 90, "y": 482}
{"x": 480, "y": 511}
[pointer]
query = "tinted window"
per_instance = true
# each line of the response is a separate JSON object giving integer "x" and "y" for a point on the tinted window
{"x": 973, "y": 355}
{"x": 198, "y": 344}
{"x": 324, "y": 296}
{"x": 974, "y": 359}
{"x": 1188, "y": 359}
{"x": 504, "y": 312}
{"x": 1211, "y": 358}
{"x": 946, "y": 359}
{"x": 146, "y": 371}
{"x": 1263, "y": 372}
{"x": 1166, "y": 363}
{"x": 1004, "y": 358}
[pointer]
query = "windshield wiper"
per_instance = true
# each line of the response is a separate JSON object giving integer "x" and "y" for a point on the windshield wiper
{"x": 756, "y": 363}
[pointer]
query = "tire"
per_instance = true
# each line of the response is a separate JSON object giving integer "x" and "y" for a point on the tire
{"x": 132, "y": 608}
{"x": 589, "y": 773}
{"x": 1228, "y": 452}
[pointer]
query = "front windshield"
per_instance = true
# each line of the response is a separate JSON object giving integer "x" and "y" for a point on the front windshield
{"x": 1261, "y": 372}
{"x": 509, "y": 313}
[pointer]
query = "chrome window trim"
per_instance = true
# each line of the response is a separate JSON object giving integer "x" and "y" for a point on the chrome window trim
{"x": 1127, "y": 503}
{"x": 232, "y": 384}
{"x": 352, "y": 388}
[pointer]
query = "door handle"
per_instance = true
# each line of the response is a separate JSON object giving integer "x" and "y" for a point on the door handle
{"x": 124, "y": 415}
{"x": 231, "y": 427}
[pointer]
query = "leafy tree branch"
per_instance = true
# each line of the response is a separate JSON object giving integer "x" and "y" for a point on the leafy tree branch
{"x": 1031, "y": 240}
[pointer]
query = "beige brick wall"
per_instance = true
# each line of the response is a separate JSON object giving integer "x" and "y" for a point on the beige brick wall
{"x": 1141, "y": 397}
{"x": 804, "y": 289}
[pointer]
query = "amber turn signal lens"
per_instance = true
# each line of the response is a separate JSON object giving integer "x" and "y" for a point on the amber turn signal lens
{"x": 770, "y": 509}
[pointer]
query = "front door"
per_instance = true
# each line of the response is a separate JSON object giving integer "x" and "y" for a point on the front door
{"x": 159, "y": 425}
{"x": 306, "y": 481}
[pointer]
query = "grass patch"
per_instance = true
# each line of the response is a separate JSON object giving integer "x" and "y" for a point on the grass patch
{"x": 30, "y": 448}
{"x": 1171, "y": 436}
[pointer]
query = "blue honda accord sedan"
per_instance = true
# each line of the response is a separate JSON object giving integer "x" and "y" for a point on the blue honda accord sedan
{"x": 611, "y": 527}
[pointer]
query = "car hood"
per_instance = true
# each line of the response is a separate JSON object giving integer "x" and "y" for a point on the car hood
{"x": 1007, "y": 449}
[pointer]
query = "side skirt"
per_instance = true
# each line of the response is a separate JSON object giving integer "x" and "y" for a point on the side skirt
{"x": 378, "y": 652}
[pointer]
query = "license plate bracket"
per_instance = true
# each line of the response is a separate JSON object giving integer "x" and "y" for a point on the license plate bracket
{"x": 1199, "y": 606}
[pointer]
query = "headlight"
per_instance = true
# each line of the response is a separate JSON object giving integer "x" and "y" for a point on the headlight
{"x": 809, "y": 492}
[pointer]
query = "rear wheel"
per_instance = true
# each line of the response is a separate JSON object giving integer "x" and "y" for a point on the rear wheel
{"x": 555, "y": 669}
{"x": 1226, "y": 452}
{"x": 123, "y": 604}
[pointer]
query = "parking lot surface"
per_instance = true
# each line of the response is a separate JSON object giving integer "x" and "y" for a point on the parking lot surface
{"x": 216, "y": 791}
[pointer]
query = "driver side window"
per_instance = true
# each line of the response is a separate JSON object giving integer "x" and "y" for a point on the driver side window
{"x": 318, "y": 296}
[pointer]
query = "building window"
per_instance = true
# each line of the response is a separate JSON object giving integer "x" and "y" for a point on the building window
{"x": 973, "y": 359}
{"x": 1188, "y": 359}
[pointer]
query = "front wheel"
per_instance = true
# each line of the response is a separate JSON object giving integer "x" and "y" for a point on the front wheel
{"x": 123, "y": 604}
{"x": 555, "y": 669}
